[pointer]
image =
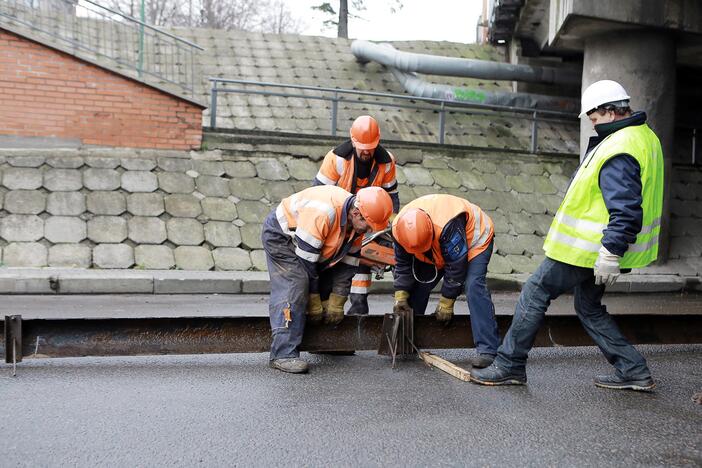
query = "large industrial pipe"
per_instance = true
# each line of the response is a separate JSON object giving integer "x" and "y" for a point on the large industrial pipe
{"x": 387, "y": 55}
{"x": 418, "y": 87}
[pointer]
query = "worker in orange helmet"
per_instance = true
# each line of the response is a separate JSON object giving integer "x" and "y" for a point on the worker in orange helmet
{"x": 312, "y": 241}
{"x": 360, "y": 162}
{"x": 443, "y": 236}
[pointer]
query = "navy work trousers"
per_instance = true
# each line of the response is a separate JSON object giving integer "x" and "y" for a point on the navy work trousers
{"x": 549, "y": 281}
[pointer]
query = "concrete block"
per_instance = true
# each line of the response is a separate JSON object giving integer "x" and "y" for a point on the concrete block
{"x": 143, "y": 230}
{"x": 145, "y": 204}
{"x": 185, "y": 231}
{"x": 183, "y": 206}
{"x": 97, "y": 282}
{"x": 209, "y": 168}
{"x": 102, "y": 163}
{"x": 446, "y": 178}
{"x": 24, "y": 254}
{"x": 154, "y": 257}
{"x": 21, "y": 228}
{"x": 271, "y": 169}
{"x": 170, "y": 164}
{"x": 33, "y": 282}
{"x": 258, "y": 259}
{"x": 107, "y": 229}
{"x": 175, "y": 182}
{"x": 222, "y": 234}
{"x": 499, "y": 264}
{"x": 134, "y": 164}
{"x": 63, "y": 180}
{"x": 434, "y": 162}
{"x": 113, "y": 256}
{"x": 25, "y": 202}
{"x": 418, "y": 176}
{"x": 254, "y": 282}
{"x": 472, "y": 180}
{"x": 65, "y": 229}
{"x": 521, "y": 183}
{"x": 65, "y": 162}
{"x": 26, "y": 161}
{"x": 212, "y": 186}
{"x": 522, "y": 263}
{"x": 139, "y": 181}
{"x": 106, "y": 203}
{"x": 66, "y": 203}
{"x": 22, "y": 178}
{"x": 302, "y": 169}
{"x": 219, "y": 209}
{"x": 275, "y": 192}
{"x": 231, "y": 259}
{"x": 193, "y": 258}
{"x": 239, "y": 169}
{"x": 70, "y": 256}
{"x": 101, "y": 179}
{"x": 252, "y": 211}
{"x": 247, "y": 189}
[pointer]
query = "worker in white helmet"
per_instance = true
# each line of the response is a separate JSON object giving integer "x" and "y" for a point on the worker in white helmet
{"x": 608, "y": 223}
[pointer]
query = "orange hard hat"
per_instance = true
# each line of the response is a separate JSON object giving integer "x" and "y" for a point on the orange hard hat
{"x": 413, "y": 230}
{"x": 365, "y": 133}
{"x": 375, "y": 206}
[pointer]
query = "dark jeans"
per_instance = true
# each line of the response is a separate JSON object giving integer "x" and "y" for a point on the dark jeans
{"x": 482, "y": 310}
{"x": 549, "y": 281}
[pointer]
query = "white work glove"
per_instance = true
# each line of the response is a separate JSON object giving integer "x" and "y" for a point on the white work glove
{"x": 606, "y": 267}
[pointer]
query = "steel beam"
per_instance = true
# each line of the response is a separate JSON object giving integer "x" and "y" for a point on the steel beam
{"x": 198, "y": 335}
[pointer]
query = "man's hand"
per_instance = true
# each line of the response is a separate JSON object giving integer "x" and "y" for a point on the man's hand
{"x": 314, "y": 308}
{"x": 334, "y": 310}
{"x": 606, "y": 267}
{"x": 401, "y": 303}
{"x": 444, "y": 309}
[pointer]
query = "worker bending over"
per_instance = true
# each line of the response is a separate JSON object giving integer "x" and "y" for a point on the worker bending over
{"x": 443, "y": 236}
{"x": 312, "y": 242}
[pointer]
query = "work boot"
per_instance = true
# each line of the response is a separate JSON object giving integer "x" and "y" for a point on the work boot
{"x": 494, "y": 375}
{"x": 619, "y": 383}
{"x": 290, "y": 365}
{"x": 359, "y": 304}
{"x": 482, "y": 360}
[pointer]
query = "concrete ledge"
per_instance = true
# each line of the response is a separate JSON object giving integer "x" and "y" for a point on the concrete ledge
{"x": 81, "y": 281}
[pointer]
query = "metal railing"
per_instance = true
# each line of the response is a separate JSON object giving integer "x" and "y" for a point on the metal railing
{"x": 338, "y": 95}
{"x": 90, "y": 29}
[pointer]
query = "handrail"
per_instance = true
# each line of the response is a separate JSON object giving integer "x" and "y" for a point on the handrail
{"x": 439, "y": 105}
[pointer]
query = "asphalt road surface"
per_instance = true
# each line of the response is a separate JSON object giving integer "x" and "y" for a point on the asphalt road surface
{"x": 232, "y": 410}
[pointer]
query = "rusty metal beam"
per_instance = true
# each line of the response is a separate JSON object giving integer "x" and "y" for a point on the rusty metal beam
{"x": 199, "y": 335}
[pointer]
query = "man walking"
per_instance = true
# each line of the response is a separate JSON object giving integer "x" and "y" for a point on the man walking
{"x": 608, "y": 221}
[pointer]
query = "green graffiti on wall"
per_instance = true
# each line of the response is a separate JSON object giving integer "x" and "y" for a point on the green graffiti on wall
{"x": 471, "y": 95}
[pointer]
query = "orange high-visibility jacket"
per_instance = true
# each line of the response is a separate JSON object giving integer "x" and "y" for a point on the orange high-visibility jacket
{"x": 442, "y": 209}
{"x": 314, "y": 216}
{"x": 338, "y": 168}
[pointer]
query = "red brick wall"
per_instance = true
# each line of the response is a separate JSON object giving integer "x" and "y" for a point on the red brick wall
{"x": 47, "y": 93}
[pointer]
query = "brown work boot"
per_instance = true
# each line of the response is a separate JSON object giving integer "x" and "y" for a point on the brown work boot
{"x": 290, "y": 365}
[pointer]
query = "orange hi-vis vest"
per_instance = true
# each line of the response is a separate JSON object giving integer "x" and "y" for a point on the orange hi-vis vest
{"x": 338, "y": 168}
{"x": 314, "y": 215}
{"x": 442, "y": 209}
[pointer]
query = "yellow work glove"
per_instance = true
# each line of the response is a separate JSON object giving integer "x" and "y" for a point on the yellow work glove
{"x": 314, "y": 308}
{"x": 334, "y": 310}
{"x": 444, "y": 309}
{"x": 401, "y": 302}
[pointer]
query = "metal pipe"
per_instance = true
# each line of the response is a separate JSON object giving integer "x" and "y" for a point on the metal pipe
{"x": 409, "y": 62}
{"x": 419, "y": 87}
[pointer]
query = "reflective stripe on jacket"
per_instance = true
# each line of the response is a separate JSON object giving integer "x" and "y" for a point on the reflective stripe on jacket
{"x": 442, "y": 209}
{"x": 575, "y": 236}
{"x": 316, "y": 217}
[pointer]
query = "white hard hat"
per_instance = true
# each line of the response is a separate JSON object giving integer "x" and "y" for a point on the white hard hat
{"x": 602, "y": 92}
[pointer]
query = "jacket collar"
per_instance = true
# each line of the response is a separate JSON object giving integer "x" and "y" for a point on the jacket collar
{"x": 606, "y": 129}
{"x": 347, "y": 151}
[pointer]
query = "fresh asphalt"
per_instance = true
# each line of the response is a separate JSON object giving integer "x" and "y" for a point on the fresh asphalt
{"x": 232, "y": 410}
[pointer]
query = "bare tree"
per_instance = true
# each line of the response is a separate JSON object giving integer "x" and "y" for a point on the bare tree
{"x": 341, "y": 19}
{"x": 280, "y": 19}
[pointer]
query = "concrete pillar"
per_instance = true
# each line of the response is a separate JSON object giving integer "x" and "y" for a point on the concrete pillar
{"x": 644, "y": 63}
